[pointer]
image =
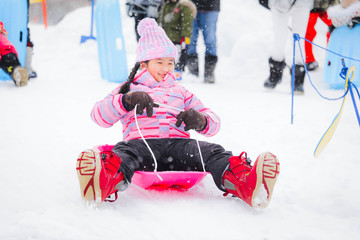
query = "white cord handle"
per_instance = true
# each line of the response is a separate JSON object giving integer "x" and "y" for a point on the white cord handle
{"x": 152, "y": 154}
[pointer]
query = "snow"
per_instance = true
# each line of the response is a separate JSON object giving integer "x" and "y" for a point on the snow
{"x": 45, "y": 126}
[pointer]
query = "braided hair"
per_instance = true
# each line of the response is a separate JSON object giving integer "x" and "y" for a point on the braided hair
{"x": 126, "y": 86}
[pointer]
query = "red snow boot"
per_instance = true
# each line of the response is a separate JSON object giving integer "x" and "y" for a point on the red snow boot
{"x": 255, "y": 184}
{"x": 99, "y": 175}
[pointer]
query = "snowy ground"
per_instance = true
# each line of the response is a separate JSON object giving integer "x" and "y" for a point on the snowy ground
{"x": 44, "y": 126}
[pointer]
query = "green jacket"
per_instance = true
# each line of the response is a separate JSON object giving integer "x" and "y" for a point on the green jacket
{"x": 176, "y": 18}
{"x": 324, "y": 4}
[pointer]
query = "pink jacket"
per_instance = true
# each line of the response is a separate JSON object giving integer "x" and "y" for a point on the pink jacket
{"x": 6, "y": 46}
{"x": 107, "y": 112}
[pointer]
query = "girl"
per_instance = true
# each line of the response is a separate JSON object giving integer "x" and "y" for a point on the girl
{"x": 165, "y": 129}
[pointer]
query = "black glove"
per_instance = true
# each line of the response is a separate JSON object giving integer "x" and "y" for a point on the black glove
{"x": 192, "y": 120}
{"x": 142, "y": 100}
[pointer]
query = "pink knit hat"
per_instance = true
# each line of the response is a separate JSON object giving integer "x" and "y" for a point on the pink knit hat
{"x": 153, "y": 42}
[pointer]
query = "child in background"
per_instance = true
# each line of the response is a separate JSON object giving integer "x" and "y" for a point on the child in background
{"x": 165, "y": 129}
{"x": 319, "y": 11}
{"x": 176, "y": 18}
{"x": 9, "y": 60}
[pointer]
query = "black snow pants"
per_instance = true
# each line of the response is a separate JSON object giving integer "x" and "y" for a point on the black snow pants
{"x": 172, "y": 154}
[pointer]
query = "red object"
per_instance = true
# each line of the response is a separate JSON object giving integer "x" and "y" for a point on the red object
{"x": 6, "y": 46}
{"x": 98, "y": 174}
{"x": 177, "y": 180}
{"x": 311, "y": 33}
{"x": 2, "y": 29}
{"x": 44, "y": 13}
{"x": 245, "y": 181}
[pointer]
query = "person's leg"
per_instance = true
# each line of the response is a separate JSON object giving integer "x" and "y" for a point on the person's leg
{"x": 325, "y": 18}
{"x": 194, "y": 36}
{"x": 300, "y": 16}
{"x": 184, "y": 155}
{"x": 208, "y": 21}
{"x": 277, "y": 58}
{"x": 281, "y": 33}
{"x": 310, "y": 35}
{"x": 137, "y": 19}
{"x": 135, "y": 156}
{"x": 192, "y": 60}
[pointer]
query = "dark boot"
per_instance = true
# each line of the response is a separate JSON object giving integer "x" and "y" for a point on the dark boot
{"x": 11, "y": 65}
{"x": 193, "y": 64}
{"x": 299, "y": 78}
{"x": 276, "y": 72}
{"x": 210, "y": 64}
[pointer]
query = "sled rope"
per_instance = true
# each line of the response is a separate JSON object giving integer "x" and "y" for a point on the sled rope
{"x": 197, "y": 141}
{"x": 342, "y": 75}
{"x": 152, "y": 154}
{"x": 349, "y": 85}
{"x": 147, "y": 145}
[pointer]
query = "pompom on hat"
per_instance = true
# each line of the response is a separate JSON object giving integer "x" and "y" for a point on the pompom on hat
{"x": 153, "y": 42}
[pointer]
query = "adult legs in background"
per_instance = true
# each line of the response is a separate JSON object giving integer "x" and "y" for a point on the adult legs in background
{"x": 310, "y": 35}
{"x": 300, "y": 17}
{"x": 206, "y": 22}
{"x": 192, "y": 59}
{"x": 277, "y": 59}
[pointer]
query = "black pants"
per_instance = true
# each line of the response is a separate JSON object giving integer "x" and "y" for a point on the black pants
{"x": 172, "y": 154}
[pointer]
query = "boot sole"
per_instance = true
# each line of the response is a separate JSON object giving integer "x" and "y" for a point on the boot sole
{"x": 267, "y": 171}
{"x": 88, "y": 167}
{"x": 20, "y": 76}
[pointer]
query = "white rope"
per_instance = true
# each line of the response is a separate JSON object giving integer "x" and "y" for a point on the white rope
{"x": 152, "y": 154}
{"x": 201, "y": 158}
{"x": 155, "y": 162}
{"x": 197, "y": 141}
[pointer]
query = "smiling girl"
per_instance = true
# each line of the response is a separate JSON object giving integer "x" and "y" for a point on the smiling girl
{"x": 171, "y": 111}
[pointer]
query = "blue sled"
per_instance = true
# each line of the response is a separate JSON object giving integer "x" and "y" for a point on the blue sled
{"x": 346, "y": 42}
{"x": 111, "y": 45}
{"x": 13, "y": 13}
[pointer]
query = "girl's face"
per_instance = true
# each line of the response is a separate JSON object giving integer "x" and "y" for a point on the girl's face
{"x": 159, "y": 67}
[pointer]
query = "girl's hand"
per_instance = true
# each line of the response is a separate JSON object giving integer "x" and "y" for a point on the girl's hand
{"x": 192, "y": 120}
{"x": 142, "y": 100}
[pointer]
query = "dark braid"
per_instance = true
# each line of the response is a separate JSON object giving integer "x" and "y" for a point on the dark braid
{"x": 126, "y": 86}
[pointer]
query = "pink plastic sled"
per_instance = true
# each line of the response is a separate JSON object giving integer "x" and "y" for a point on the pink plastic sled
{"x": 179, "y": 180}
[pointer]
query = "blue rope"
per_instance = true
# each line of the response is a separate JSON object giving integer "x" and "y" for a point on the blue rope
{"x": 342, "y": 75}
{"x": 308, "y": 75}
{"x": 353, "y": 100}
{"x": 354, "y": 59}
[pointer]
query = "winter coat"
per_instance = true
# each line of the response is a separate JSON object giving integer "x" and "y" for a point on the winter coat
{"x": 162, "y": 124}
{"x": 322, "y": 5}
{"x": 343, "y": 16}
{"x": 176, "y": 18}
{"x": 207, "y": 5}
{"x": 286, "y": 5}
{"x": 6, "y": 46}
